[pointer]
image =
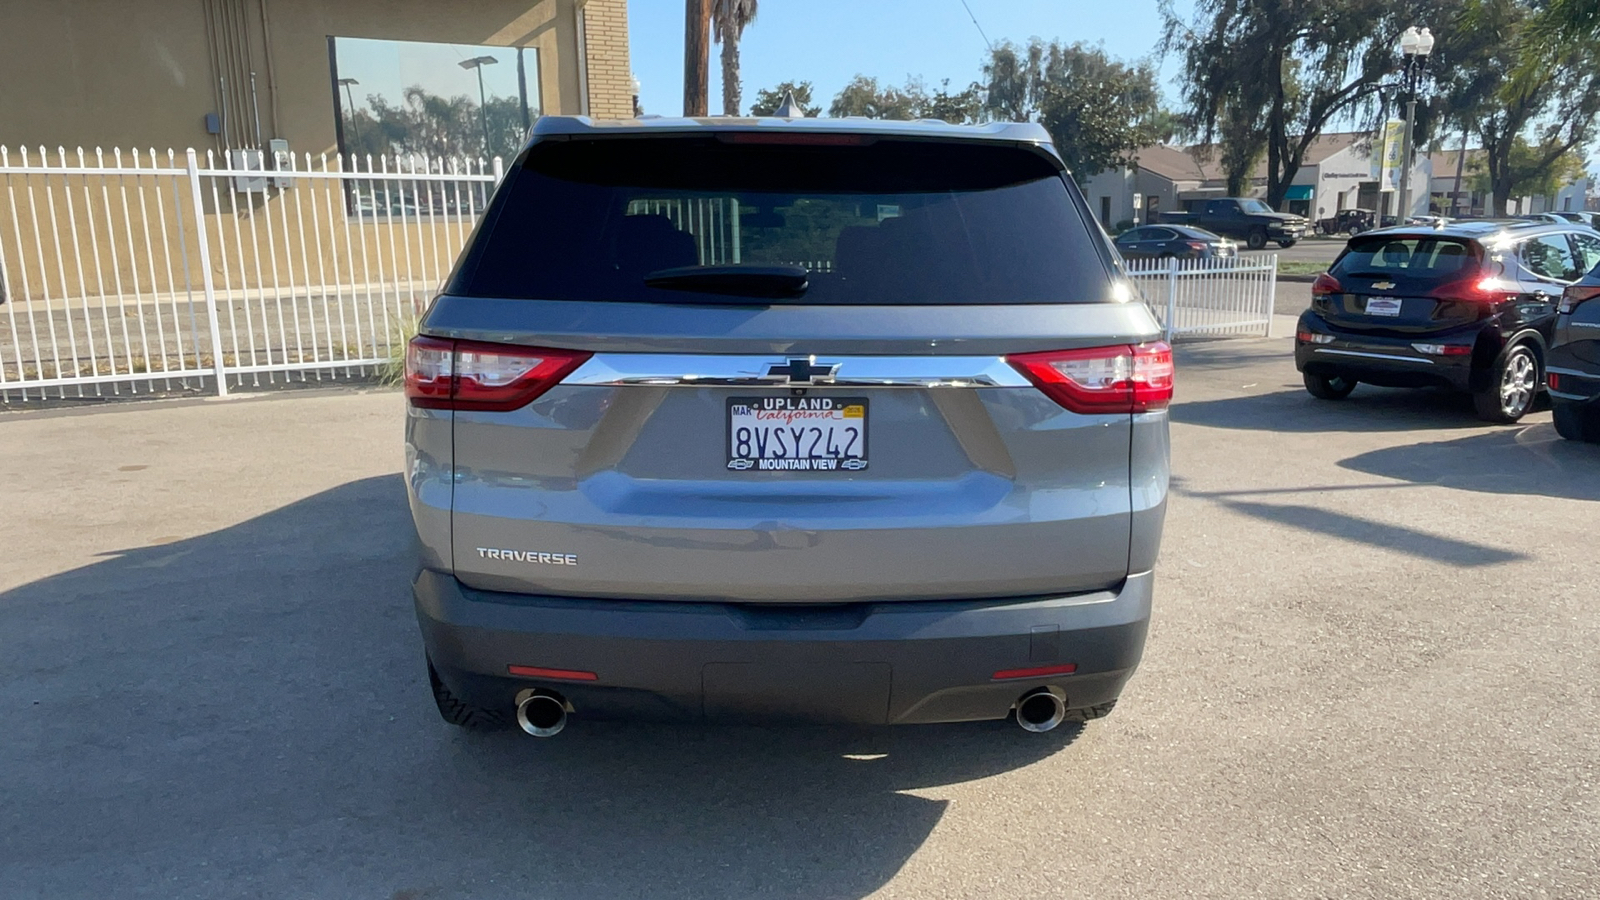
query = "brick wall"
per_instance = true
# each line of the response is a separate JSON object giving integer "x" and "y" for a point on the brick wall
{"x": 606, "y": 43}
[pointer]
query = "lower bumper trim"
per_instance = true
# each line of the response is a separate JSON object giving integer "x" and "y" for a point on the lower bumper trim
{"x": 901, "y": 662}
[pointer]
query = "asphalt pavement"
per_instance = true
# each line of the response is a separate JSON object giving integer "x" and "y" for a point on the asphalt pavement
{"x": 1373, "y": 671}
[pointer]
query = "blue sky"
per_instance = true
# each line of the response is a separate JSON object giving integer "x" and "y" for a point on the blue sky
{"x": 827, "y": 42}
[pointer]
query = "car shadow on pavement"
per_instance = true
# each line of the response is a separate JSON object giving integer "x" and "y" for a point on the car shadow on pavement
{"x": 1369, "y": 409}
{"x": 1357, "y": 529}
{"x": 1531, "y": 459}
{"x": 246, "y": 713}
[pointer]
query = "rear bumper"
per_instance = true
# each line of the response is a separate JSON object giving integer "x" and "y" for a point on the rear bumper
{"x": 896, "y": 662}
{"x": 1384, "y": 361}
{"x": 1576, "y": 381}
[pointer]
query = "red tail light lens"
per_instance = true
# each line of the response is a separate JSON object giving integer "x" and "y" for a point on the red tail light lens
{"x": 469, "y": 375}
{"x": 1324, "y": 285}
{"x": 1576, "y": 294}
{"x": 1118, "y": 379}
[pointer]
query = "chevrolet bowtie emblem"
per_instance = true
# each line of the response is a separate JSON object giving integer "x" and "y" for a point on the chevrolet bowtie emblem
{"x": 1382, "y": 285}
{"x": 802, "y": 371}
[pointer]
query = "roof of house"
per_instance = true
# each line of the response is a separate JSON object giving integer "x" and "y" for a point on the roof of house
{"x": 1180, "y": 164}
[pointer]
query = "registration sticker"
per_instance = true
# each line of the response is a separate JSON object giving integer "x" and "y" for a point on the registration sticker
{"x": 1383, "y": 306}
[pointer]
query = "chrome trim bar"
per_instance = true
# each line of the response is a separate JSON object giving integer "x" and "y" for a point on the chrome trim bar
{"x": 1388, "y": 356}
{"x": 685, "y": 370}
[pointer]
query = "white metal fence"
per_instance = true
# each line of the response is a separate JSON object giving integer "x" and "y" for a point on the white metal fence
{"x": 1204, "y": 297}
{"x": 143, "y": 272}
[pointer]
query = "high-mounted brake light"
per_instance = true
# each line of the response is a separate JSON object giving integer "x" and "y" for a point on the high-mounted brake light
{"x": 1325, "y": 284}
{"x": 1116, "y": 379}
{"x": 794, "y": 137}
{"x": 1576, "y": 294}
{"x": 472, "y": 375}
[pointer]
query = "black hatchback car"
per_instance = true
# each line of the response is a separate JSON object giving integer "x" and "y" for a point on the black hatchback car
{"x": 1573, "y": 371}
{"x": 1469, "y": 306}
{"x": 1174, "y": 242}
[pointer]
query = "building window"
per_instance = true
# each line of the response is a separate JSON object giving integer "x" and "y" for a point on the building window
{"x": 1105, "y": 212}
{"x": 436, "y": 100}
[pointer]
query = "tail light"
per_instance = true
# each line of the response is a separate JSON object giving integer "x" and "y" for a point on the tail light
{"x": 1196, "y": 245}
{"x": 1118, "y": 379}
{"x": 1576, "y": 294}
{"x": 469, "y": 375}
{"x": 1324, "y": 285}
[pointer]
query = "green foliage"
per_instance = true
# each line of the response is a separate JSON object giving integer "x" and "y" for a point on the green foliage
{"x": 1529, "y": 173}
{"x": 768, "y": 101}
{"x": 809, "y": 231}
{"x": 1531, "y": 101}
{"x": 863, "y": 96}
{"x": 1282, "y": 71}
{"x": 434, "y": 126}
{"x": 1098, "y": 110}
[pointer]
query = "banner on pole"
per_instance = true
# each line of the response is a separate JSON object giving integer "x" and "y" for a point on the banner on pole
{"x": 1389, "y": 174}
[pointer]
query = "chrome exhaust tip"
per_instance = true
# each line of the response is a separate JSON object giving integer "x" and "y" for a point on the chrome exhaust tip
{"x": 1040, "y": 711}
{"x": 542, "y": 714}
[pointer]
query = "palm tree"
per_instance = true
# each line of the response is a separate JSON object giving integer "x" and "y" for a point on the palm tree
{"x": 728, "y": 18}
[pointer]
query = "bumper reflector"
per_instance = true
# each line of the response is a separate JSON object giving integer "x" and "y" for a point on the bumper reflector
{"x": 1444, "y": 349}
{"x": 564, "y": 674}
{"x": 1039, "y": 672}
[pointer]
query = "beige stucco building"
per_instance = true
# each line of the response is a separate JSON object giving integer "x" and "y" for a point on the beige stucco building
{"x": 177, "y": 73}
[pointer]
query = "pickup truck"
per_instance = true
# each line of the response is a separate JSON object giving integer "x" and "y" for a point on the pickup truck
{"x": 1246, "y": 218}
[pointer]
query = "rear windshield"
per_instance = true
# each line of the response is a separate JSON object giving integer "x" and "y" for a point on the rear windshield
{"x": 889, "y": 222}
{"x": 1413, "y": 259}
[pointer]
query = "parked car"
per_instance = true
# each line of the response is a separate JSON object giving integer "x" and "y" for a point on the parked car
{"x": 1173, "y": 242}
{"x": 1582, "y": 217}
{"x": 1244, "y": 218}
{"x": 1573, "y": 371}
{"x": 1469, "y": 305}
{"x": 1348, "y": 221}
{"x": 655, "y": 475}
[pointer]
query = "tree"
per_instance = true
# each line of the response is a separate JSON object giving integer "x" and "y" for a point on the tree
{"x": 768, "y": 101}
{"x": 1529, "y": 102}
{"x": 1286, "y": 70}
{"x": 1530, "y": 175}
{"x": 864, "y": 97}
{"x": 1098, "y": 110}
{"x": 729, "y": 18}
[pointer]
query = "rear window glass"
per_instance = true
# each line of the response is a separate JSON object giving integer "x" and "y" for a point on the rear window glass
{"x": 890, "y": 222}
{"x": 1411, "y": 258}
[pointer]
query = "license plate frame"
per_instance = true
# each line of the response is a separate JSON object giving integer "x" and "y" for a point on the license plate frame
{"x": 836, "y": 426}
{"x": 1385, "y": 307}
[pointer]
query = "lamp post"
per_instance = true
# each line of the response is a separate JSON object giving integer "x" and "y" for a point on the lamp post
{"x": 1415, "y": 45}
{"x": 478, "y": 62}
{"x": 350, "y": 104}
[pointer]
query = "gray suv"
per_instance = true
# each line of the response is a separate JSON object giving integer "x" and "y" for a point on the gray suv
{"x": 809, "y": 420}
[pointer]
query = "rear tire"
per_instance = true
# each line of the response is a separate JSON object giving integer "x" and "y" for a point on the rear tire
{"x": 1329, "y": 387}
{"x": 460, "y": 713}
{"x": 1098, "y": 711}
{"x": 1256, "y": 239}
{"x": 1575, "y": 423}
{"x": 1513, "y": 386}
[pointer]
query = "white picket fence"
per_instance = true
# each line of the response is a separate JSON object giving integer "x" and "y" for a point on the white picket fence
{"x": 146, "y": 272}
{"x": 1209, "y": 297}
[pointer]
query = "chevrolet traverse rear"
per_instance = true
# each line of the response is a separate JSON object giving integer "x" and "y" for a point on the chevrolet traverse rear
{"x": 808, "y": 420}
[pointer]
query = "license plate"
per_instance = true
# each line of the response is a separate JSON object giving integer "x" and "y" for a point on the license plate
{"x": 1383, "y": 306}
{"x": 797, "y": 434}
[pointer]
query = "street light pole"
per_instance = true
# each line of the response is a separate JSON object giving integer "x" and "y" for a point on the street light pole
{"x": 350, "y": 104}
{"x": 1415, "y": 45}
{"x": 478, "y": 62}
